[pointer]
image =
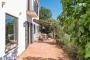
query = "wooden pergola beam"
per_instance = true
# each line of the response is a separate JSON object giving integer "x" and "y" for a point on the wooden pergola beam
{"x": 41, "y": 22}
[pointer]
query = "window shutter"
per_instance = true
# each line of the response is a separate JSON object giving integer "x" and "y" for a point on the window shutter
{"x": 32, "y": 33}
{"x": 26, "y": 34}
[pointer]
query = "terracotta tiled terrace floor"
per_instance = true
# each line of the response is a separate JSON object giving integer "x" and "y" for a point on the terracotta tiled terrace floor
{"x": 46, "y": 50}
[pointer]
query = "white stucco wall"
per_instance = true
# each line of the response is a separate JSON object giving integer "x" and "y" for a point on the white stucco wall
{"x": 14, "y": 7}
{"x": 37, "y": 33}
{"x": 2, "y": 30}
{"x": 31, "y": 20}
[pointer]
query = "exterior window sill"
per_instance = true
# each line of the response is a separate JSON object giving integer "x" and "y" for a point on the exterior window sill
{"x": 9, "y": 51}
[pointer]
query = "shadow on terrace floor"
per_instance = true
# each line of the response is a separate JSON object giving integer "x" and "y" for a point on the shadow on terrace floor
{"x": 40, "y": 58}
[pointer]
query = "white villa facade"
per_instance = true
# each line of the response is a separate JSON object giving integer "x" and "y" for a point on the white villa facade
{"x": 17, "y": 28}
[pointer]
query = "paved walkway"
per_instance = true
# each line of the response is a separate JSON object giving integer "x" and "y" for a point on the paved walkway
{"x": 47, "y": 50}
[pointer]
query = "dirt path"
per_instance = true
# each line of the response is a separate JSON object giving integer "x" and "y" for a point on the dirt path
{"x": 47, "y": 50}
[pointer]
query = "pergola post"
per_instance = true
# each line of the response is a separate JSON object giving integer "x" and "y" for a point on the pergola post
{"x": 54, "y": 32}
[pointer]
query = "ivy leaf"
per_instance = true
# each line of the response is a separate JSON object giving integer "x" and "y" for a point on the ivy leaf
{"x": 80, "y": 22}
{"x": 74, "y": 14}
{"x": 81, "y": 51}
{"x": 70, "y": 28}
{"x": 75, "y": 20}
{"x": 81, "y": 29}
{"x": 87, "y": 50}
{"x": 79, "y": 33}
{"x": 86, "y": 22}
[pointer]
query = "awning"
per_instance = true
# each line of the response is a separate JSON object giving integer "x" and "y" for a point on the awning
{"x": 41, "y": 22}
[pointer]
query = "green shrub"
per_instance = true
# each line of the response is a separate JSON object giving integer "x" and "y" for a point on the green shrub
{"x": 12, "y": 37}
{"x": 68, "y": 46}
{"x": 49, "y": 35}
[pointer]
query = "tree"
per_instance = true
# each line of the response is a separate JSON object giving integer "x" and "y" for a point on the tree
{"x": 45, "y": 15}
{"x": 75, "y": 19}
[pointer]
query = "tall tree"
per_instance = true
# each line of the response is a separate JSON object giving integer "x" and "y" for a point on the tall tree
{"x": 45, "y": 15}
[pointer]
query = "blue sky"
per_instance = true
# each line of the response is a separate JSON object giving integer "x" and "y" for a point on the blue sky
{"x": 9, "y": 18}
{"x": 54, "y": 5}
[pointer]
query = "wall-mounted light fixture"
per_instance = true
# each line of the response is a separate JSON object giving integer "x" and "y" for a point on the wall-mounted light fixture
{"x": 43, "y": 27}
{"x": 3, "y": 3}
{"x": 20, "y": 13}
